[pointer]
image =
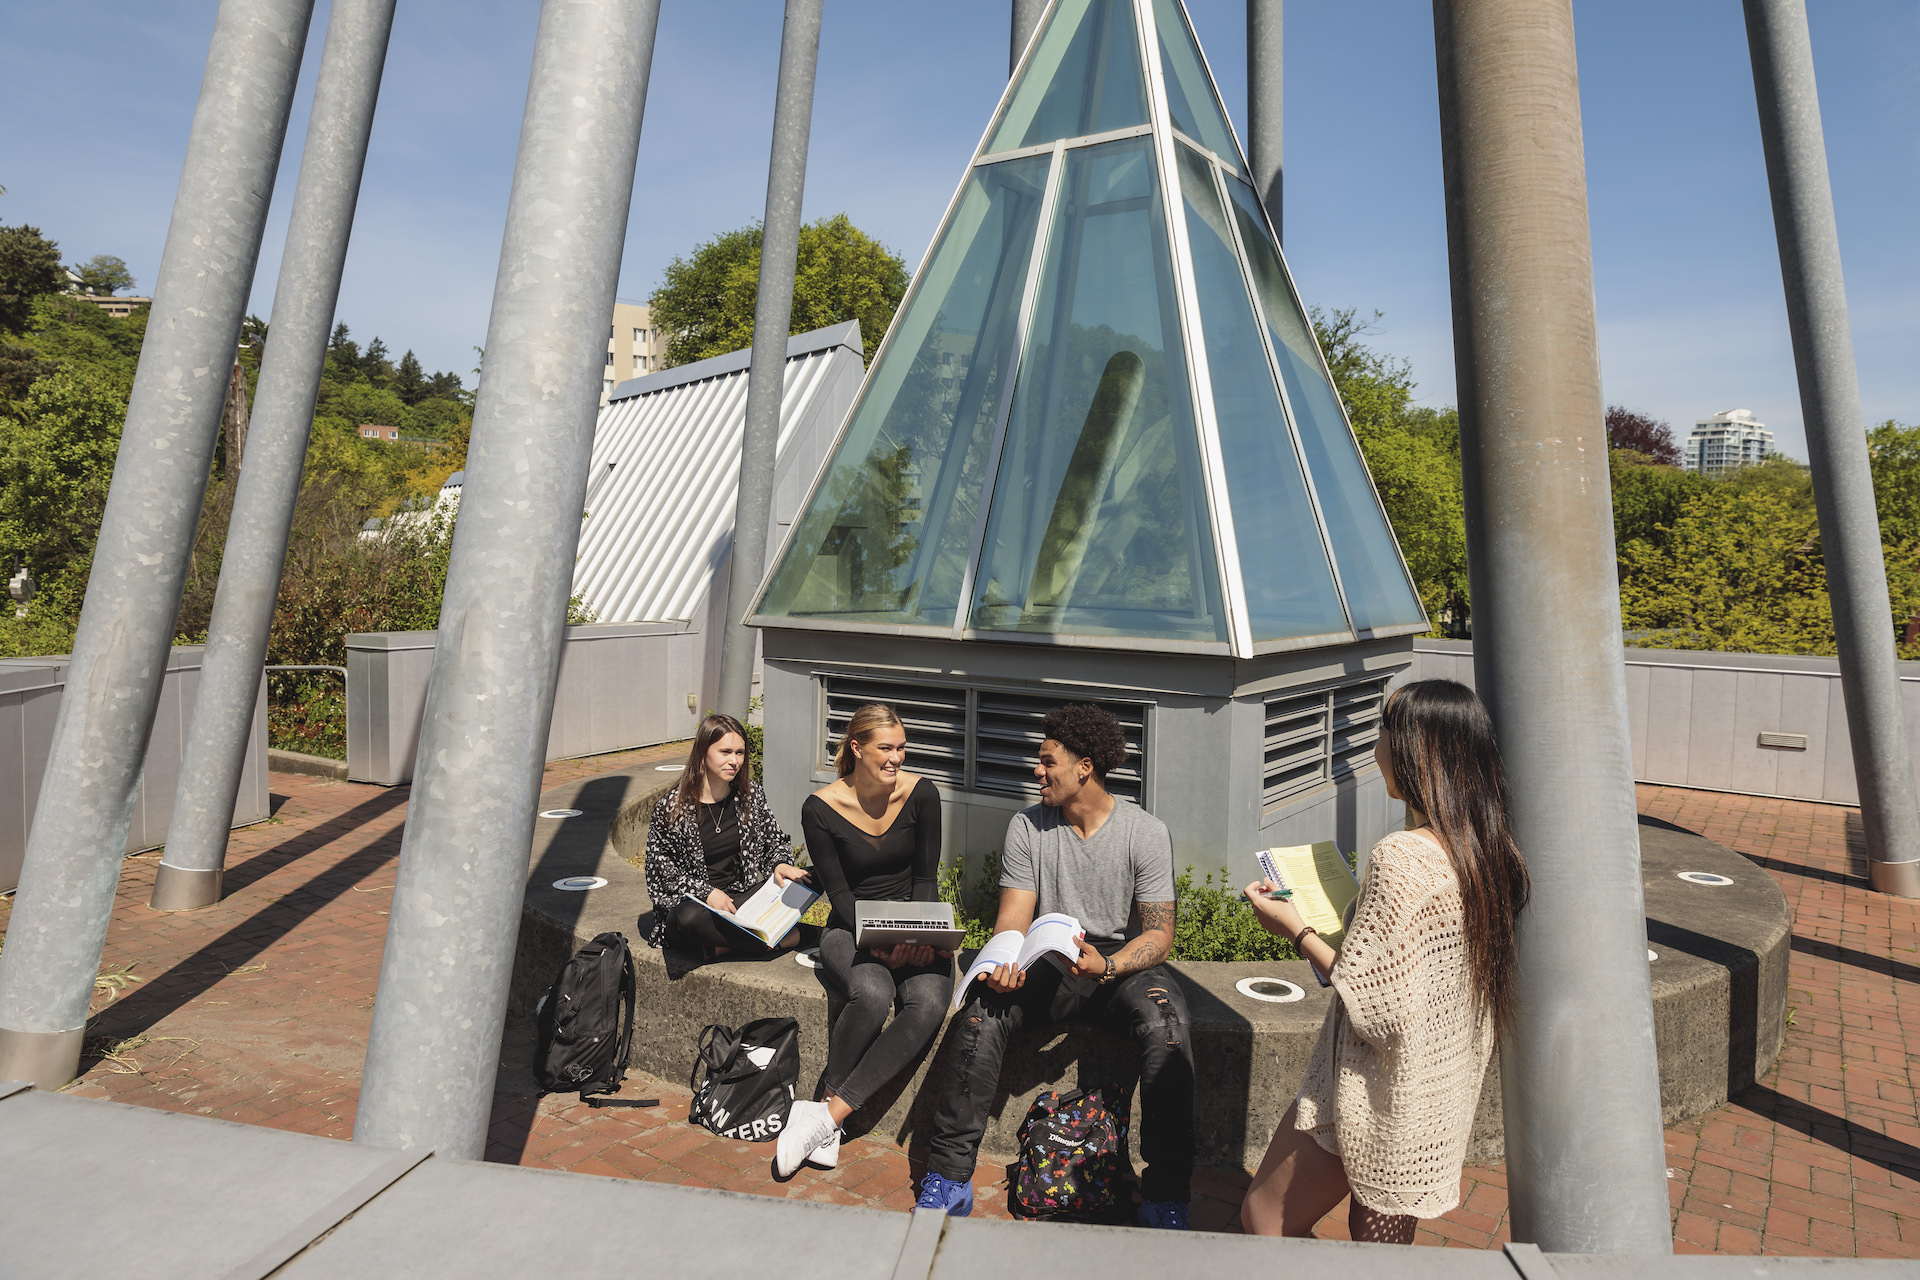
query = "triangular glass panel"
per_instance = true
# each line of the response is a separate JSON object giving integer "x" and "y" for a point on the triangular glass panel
{"x": 1289, "y": 587}
{"x": 1083, "y": 78}
{"x": 1100, "y": 523}
{"x": 1100, "y": 416}
{"x": 886, "y": 534}
{"x": 1371, "y": 571}
{"x": 1191, "y": 101}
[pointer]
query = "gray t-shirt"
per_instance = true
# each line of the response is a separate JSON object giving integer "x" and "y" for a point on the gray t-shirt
{"x": 1097, "y": 880}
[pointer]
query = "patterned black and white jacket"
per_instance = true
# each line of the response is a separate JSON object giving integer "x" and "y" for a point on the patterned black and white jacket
{"x": 677, "y": 865}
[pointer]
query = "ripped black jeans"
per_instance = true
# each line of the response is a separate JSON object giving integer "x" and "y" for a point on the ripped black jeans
{"x": 1146, "y": 1008}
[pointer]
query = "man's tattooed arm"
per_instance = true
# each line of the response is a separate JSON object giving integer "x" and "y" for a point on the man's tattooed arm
{"x": 1153, "y": 945}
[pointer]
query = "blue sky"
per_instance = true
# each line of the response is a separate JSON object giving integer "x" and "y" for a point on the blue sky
{"x": 101, "y": 94}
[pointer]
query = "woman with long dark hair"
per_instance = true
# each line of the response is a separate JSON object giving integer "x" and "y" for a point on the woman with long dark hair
{"x": 712, "y": 842}
{"x": 1423, "y": 985}
{"x": 874, "y": 836}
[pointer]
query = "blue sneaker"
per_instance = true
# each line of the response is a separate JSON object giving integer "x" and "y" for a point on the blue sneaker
{"x": 957, "y": 1197}
{"x": 1165, "y": 1214}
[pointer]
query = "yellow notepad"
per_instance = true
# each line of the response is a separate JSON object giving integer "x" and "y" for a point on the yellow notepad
{"x": 1323, "y": 885}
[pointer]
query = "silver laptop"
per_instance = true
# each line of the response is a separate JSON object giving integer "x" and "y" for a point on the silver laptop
{"x": 888, "y": 924}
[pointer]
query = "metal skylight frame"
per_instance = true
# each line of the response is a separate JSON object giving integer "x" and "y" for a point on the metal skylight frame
{"x": 1240, "y": 642}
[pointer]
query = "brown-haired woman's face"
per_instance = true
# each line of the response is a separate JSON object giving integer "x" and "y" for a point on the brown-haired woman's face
{"x": 725, "y": 758}
{"x": 880, "y": 758}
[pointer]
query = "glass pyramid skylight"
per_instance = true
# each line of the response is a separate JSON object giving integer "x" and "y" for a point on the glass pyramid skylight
{"x": 1100, "y": 416}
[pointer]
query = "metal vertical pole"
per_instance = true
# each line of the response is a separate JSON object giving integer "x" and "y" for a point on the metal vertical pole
{"x": 303, "y": 301}
{"x": 79, "y": 834}
{"x": 1026, "y": 17}
{"x": 1264, "y": 68}
{"x": 772, "y": 315}
{"x": 434, "y": 1048}
{"x": 1803, "y": 221}
{"x": 1586, "y": 1162}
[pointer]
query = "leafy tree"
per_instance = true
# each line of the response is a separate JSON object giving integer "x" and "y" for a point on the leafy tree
{"x": 409, "y": 380}
{"x": 1638, "y": 432}
{"x": 29, "y": 269}
{"x": 56, "y": 458}
{"x": 1648, "y": 495}
{"x": 103, "y": 275}
{"x": 707, "y": 300}
{"x": 1893, "y": 452}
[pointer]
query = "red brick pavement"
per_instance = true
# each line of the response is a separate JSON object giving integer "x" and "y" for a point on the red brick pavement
{"x": 257, "y": 1010}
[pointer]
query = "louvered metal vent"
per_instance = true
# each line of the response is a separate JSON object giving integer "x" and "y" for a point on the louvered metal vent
{"x": 935, "y": 718}
{"x": 1007, "y": 743}
{"x": 1321, "y": 736}
{"x": 1000, "y": 753}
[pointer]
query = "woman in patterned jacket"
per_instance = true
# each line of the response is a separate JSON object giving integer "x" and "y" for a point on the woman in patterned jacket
{"x": 713, "y": 841}
{"x": 1423, "y": 984}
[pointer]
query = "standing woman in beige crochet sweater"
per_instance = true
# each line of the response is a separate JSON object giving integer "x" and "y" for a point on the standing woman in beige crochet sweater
{"x": 1423, "y": 983}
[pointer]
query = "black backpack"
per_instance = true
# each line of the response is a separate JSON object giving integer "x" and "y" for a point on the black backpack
{"x": 750, "y": 1078}
{"x": 585, "y": 1021}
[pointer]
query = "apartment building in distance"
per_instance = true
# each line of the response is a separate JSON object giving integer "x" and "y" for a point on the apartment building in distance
{"x": 1731, "y": 438}
{"x": 634, "y": 347}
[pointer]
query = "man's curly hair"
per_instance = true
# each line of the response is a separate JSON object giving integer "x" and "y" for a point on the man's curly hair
{"x": 1089, "y": 732}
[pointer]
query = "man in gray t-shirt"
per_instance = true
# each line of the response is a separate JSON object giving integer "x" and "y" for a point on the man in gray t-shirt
{"x": 1109, "y": 864}
{"x": 1098, "y": 879}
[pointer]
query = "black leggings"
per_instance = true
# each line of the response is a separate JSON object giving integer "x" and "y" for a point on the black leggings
{"x": 862, "y": 1058}
{"x": 692, "y": 926}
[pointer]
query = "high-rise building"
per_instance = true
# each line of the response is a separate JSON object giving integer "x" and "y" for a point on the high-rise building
{"x": 635, "y": 347}
{"x": 1731, "y": 438}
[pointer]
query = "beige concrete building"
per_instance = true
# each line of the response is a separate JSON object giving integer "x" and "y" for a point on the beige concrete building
{"x": 634, "y": 347}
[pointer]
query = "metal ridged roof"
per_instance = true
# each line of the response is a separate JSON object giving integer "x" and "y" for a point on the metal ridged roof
{"x": 666, "y": 465}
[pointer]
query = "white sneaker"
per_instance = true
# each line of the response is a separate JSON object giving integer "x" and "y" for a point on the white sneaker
{"x": 827, "y": 1154}
{"x": 809, "y": 1127}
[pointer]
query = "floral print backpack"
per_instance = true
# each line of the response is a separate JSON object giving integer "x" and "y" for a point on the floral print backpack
{"x": 1073, "y": 1153}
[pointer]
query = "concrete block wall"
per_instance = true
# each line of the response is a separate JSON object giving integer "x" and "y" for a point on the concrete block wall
{"x": 621, "y": 685}
{"x": 1697, "y": 718}
{"x": 30, "y": 694}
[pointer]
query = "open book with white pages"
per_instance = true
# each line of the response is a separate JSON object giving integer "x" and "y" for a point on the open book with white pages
{"x": 1051, "y": 935}
{"x": 771, "y": 911}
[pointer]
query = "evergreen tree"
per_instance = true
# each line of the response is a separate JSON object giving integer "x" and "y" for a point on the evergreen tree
{"x": 409, "y": 380}
{"x": 29, "y": 268}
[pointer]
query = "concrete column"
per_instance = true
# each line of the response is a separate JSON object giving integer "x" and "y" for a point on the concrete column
{"x": 435, "y": 1043}
{"x": 1803, "y": 220}
{"x": 1264, "y": 67}
{"x": 772, "y": 316}
{"x": 303, "y": 301}
{"x": 1026, "y": 19}
{"x": 79, "y": 834}
{"x": 1586, "y": 1164}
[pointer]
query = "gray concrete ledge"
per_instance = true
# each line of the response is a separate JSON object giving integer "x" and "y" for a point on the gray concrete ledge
{"x": 279, "y": 761}
{"x": 1719, "y": 987}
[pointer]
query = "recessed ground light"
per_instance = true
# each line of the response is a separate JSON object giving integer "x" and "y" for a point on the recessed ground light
{"x": 809, "y": 957}
{"x": 1704, "y": 877}
{"x": 1271, "y": 990}
{"x": 580, "y": 883}
{"x": 1652, "y": 955}
{"x": 560, "y": 813}
{"x": 668, "y": 768}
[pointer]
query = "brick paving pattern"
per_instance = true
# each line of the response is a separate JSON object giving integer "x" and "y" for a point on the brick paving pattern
{"x": 256, "y": 1010}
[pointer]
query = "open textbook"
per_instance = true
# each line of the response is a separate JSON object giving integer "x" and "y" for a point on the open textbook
{"x": 1052, "y": 934}
{"x": 1321, "y": 884}
{"x": 771, "y": 911}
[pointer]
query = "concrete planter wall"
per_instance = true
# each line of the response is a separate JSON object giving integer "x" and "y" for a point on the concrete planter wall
{"x": 30, "y": 693}
{"x": 1755, "y": 723}
{"x": 621, "y": 685}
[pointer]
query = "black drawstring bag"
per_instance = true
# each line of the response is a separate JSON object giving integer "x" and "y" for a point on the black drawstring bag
{"x": 750, "y": 1076}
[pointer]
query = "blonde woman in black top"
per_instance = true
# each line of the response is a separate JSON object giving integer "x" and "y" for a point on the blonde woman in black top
{"x": 874, "y": 836}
